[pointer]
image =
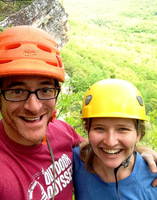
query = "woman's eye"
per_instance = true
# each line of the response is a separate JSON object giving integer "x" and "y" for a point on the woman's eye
{"x": 99, "y": 128}
{"x": 124, "y": 129}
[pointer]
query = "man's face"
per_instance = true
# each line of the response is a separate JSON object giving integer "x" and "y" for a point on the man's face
{"x": 26, "y": 122}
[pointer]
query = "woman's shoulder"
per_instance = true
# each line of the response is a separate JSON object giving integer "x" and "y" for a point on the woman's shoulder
{"x": 76, "y": 151}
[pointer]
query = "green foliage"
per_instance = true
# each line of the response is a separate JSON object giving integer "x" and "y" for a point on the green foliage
{"x": 99, "y": 21}
{"x": 1, "y": 29}
{"x": 8, "y": 8}
{"x": 115, "y": 40}
{"x": 150, "y": 139}
{"x": 107, "y": 39}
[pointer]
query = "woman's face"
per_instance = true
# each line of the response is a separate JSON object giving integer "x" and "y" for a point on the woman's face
{"x": 112, "y": 140}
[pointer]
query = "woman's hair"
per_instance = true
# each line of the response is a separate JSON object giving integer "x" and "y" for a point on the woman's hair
{"x": 87, "y": 154}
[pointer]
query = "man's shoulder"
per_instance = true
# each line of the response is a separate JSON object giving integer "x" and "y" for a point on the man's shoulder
{"x": 63, "y": 129}
{"x": 143, "y": 166}
{"x": 58, "y": 124}
{"x": 61, "y": 126}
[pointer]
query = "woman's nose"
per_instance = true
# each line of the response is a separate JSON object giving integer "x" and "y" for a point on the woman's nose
{"x": 110, "y": 138}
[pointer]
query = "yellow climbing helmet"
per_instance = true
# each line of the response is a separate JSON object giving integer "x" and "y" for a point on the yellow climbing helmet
{"x": 113, "y": 98}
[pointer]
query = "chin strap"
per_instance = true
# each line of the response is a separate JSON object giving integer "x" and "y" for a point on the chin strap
{"x": 125, "y": 164}
{"x": 54, "y": 116}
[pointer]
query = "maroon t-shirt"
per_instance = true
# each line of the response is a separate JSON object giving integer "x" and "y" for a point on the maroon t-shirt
{"x": 27, "y": 172}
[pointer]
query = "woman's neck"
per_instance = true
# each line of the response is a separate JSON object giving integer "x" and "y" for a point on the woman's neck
{"x": 107, "y": 174}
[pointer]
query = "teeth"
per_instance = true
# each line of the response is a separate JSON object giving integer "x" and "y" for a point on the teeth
{"x": 32, "y": 119}
{"x": 111, "y": 151}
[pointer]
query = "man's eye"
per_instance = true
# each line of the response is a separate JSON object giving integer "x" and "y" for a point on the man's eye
{"x": 46, "y": 90}
{"x": 17, "y": 91}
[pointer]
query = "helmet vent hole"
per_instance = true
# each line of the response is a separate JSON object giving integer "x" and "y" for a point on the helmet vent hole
{"x": 59, "y": 61}
{"x": 51, "y": 63}
{"x": 13, "y": 46}
{"x": 5, "y": 61}
{"x": 44, "y": 48}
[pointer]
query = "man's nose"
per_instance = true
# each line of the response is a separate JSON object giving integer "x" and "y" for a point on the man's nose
{"x": 33, "y": 104}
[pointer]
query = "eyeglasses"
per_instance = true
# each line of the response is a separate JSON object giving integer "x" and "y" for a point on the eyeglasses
{"x": 16, "y": 95}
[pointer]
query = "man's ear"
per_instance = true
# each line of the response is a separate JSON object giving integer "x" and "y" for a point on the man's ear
{"x": 0, "y": 102}
{"x": 53, "y": 117}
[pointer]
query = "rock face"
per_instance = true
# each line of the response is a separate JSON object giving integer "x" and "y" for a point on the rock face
{"x": 46, "y": 14}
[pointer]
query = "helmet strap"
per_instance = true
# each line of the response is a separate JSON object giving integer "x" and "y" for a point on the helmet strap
{"x": 125, "y": 164}
{"x": 53, "y": 164}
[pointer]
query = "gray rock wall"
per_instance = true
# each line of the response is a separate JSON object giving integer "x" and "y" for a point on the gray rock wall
{"x": 46, "y": 14}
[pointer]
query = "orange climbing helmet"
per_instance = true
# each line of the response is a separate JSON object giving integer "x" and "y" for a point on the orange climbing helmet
{"x": 26, "y": 50}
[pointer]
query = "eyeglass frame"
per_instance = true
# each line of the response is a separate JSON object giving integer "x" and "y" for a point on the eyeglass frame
{"x": 57, "y": 89}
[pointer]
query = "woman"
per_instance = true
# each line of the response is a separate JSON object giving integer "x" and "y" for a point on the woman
{"x": 109, "y": 167}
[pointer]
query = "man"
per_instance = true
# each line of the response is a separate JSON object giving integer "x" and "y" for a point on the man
{"x": 30, "y": 72}
{"x": 35, "y": 148}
